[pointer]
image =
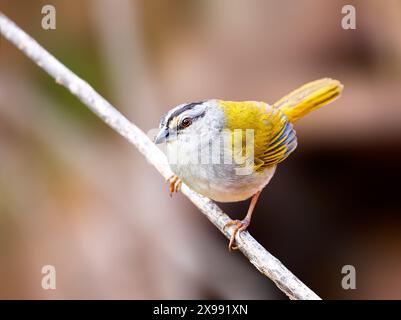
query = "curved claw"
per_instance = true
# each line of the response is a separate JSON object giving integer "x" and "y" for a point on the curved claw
{"x": 241, "y": 225}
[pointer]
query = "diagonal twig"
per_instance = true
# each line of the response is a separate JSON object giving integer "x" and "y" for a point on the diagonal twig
{"x": 256, "y": 253}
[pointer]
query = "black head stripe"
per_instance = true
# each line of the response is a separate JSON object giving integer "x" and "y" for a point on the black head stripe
{"x": 165, "y": 121}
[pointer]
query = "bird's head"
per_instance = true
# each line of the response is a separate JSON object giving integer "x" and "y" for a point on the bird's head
{"x": 195, "y": 118}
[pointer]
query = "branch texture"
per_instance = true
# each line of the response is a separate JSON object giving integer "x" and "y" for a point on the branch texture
{"x": 257, "y": 255}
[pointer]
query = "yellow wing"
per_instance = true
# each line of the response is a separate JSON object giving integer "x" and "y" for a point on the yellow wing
{"x": 274, "y": 136}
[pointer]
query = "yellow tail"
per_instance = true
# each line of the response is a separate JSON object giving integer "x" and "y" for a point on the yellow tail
{"x": 309, "y": 97}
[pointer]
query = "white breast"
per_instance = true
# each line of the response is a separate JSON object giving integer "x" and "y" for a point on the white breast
{"x": 218, "y": 181}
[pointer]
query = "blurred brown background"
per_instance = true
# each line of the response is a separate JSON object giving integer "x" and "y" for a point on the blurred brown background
{"x": 73, "y": 194}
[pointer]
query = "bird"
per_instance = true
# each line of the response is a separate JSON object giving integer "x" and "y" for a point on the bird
{"x": 229, "y": 151}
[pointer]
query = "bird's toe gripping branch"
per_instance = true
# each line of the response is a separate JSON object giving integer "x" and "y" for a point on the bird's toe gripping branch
{"x": 240, "y": 225}
{"x": 174, "y": 184}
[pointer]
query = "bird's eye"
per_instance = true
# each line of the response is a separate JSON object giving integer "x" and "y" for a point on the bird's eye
{"x": 186, "y": 122}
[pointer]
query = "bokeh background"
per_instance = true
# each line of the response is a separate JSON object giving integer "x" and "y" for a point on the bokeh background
{"x": 75, "y": 195}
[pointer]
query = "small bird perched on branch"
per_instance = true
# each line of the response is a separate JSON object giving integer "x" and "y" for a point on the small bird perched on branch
{"x": 228, "y": 151}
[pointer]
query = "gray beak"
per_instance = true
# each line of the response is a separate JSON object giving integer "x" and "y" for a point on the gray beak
{"x": 161, "y": 136}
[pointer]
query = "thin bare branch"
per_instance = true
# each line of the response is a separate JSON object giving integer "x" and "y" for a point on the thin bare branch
{"x": 257, "y": 255}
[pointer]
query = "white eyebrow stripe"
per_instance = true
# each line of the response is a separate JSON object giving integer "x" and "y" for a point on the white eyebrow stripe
{"x": 192, "y": 113}
{"x": 164, "y": 120}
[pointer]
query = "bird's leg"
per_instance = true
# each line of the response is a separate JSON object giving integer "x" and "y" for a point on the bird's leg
{"x": 241, "y": 225}
{"x": 174, "y": 184}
